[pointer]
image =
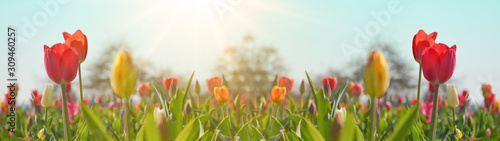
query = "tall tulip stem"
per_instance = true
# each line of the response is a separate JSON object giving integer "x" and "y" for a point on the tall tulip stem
{"x": 434, "y": 113}
{"x": 80, "y": 79}
{"x": 373, "y": 127}
{"x": 65, "y": 113}
{"x": 125, "y": 118}
{"x": 419, "y": 79}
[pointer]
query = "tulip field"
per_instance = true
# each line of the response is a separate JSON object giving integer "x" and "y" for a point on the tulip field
{"x": 329, "y": 111}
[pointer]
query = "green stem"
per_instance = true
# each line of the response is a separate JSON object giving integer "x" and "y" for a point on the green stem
{"x": 222, "y": 107}
{"x": 454, "y": 118}
{"x": 80, "y": 79}
{"x": 46, "y": 110}
{"x": 125, "y": 118}
{"x": 65, "y": 113}
{"x": 419, "y": 79}
{"x": 373, "y": 126}
{"x": 434, "y": 113}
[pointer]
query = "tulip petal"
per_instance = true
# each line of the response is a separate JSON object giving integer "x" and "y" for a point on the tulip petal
{"x": 430, "y": 64}
{"x": 286, "y": 82}
{"x": 66, "y": 35}
{"x": 69, "y": 64}
{"x": 213, "y": 82}
{"x": 52, "y": 64}
{"x": 433, "y": 35}
{"x": 447, "y": 64}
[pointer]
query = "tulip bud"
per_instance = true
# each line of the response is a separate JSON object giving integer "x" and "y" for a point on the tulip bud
{"x": 312, "y": 108}
{"x": 123, "y": 75}
{"x": 48, "y": 98}
{"x": 376, "y": 75}
{"x": 173, "y": 88}
{"x": 68, "y": 87}
{"x": 338, "y": 123}
{"x": 458, "y": 136}
{"x": 144, "y": 90}
{"x": 161, "y": 122}
{"x": 452, "y": 95}
{"x": 278, "y": 94}
{"x": 221, "y": 93}
{"x": 355, "y": 89}
{"x": 302, "y": 87}
{"x": 197, "y": 87}
{"x": 388, "y": 105}
{"x": 326, "y": 87}
{"x": 486, "y": 90}
{"x": 400, "y": 100}
{"x": 187, "y": 108}
{"x": 488, "y": 132}
{"x": 41, "y": 134}
{"x": 432, "y": 87}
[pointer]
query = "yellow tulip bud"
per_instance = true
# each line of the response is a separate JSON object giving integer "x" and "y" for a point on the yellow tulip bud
{"x": 458, "y": 136}
{"x": 40, "y": 134}
{"x": 452, "y": 95}
{"x": 123, "y": 75}
{"x": 48, "y": 97}
{"x": 376, "y": 75}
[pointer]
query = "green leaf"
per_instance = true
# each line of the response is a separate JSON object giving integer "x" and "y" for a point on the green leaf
{"x": 307, "y": 131}
{"x": 151, "y": 131}
{"x": 176, "y": 106}
{"x": 323, "y": 105}
{"x": 337, "y": 97}
{"x": 160, "y": 94}
{"x": 95, "y": 124}
{"x": 404, "y": 125}
{"x": 191, "y": 131}
{"x": 313, "y": 89}
{"x": 224, "y": 126}
{"x": 349, "y": 130}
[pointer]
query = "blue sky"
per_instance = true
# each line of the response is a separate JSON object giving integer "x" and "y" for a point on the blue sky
{"x": 309, "y": 35}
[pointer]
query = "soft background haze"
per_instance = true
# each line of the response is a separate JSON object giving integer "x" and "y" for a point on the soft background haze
{"x": 187, "y": 35}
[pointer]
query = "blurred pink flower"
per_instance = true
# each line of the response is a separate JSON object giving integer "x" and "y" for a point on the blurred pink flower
{"x": 111, "y": 105}
{"x": 427, "y": 111}
{"x": 119, "y": 102}
{"x": 488, "y": 132}
{"x": 388, "y": 105}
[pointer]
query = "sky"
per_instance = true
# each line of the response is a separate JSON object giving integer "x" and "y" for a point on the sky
{"x": 188, "y": 35}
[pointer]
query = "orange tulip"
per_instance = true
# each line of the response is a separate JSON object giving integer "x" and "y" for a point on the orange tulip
{"x": 167, "y": 82}
{"x": 78, "y": 41}
{"x": 278, "y": 94}
{"x": 213, "y": 82}
{"x": 221, "y": 93}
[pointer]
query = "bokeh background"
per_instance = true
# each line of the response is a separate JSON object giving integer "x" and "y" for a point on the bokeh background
{"x": 249, "y": 41}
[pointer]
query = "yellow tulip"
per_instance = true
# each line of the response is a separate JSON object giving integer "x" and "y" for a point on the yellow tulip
{"x": 458, "y": 136}
{"x": 40, "y": 134}
{"x": 221, "y": 93}
{"x": 278, "y": 94}
{"x": 452, "y": 95}
{"x": 123, "y": 75}
{"x": 47, "y": 97}
{"x": 376, "y": 75}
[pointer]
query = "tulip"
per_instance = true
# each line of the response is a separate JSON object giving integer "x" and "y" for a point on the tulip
{"x": 123, "y": 75}
{"x": 332, "y": 82}
{"x": 48, "y": 98}
{"x": 432, "y": 88}
{"x": 376, "y": 79}
{"x": 488, "y": 132}
{"x": 173, "y": 87}
{"x": 144, "y": 89}
{"x": 221, "y": 94}
{"x": 302, "y": 87}
{"x": 400, "y": 100}
{"x": 161, "y": 122}
{"x": 287, "y": 83}
{"x": 355, "y": 89}
{"x": 458, "y": 136}
{"x": 85, "y": 101}
{"x": 488, "y": 101}
{"x": 213, "y": 82}
{"x": 78, "y": 41}
{"x": 278, "y": 94}
{"x": 486, "y": 90}
{"x": 168, "y": 81}
{"x": 197, "y": 87}
{"x": 421, "y": 41}
{"x": 438, "y": 63}
{"x": 338, "y": 123}
{"x": 41, "y": 134}
{"x": 452, "y": 95}
{"x": 327, "y": 88}
{"x": 61, "y": 63}
{"x": 376, "y": 75}
{"x": 312, "y": 108}
{"x": 99, "y": 99}
{"x": 123, "y": 79}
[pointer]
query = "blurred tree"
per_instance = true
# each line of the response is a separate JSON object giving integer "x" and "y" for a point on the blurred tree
{"x": 249, "y": 68}
{"x": 97, "y": 82}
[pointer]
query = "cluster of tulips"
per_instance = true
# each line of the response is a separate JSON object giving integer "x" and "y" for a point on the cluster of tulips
{"x": 331, "y": 113}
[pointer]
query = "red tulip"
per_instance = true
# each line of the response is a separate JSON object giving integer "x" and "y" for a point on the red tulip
{"x": 78, "y": 41}
{"x": 99, "y": 99}
{"x": 287, "y": 83}
{"x": 355, "y": 89}
{"x": 167, "y": 81}
{"x": 421, "y": 41}
{"x": 85, "y": 101}
{"x": 213, "y": 82}
{"x": 414, "y": 101}
{"x": 68, "y": 87}
{"x": 488, "y": 101}
{"x": 400, "y": 100}
{"x": 438, "y": 63}
{"x": 332, "y": 81}
{"x": 61, "y": 63}
{"x": 432, "y": 87}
